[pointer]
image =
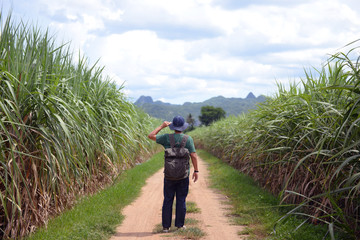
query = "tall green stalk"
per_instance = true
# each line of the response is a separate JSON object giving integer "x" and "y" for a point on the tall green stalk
{"x": 303, "y": 144}
{"x": 65, "y": 130}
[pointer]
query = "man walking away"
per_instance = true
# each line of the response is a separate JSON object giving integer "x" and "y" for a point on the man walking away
{"x": 176, "y": 177}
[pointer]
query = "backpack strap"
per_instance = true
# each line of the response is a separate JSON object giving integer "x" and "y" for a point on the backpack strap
{"x": 183, "y": 141}
{"x": 172, "y": 140}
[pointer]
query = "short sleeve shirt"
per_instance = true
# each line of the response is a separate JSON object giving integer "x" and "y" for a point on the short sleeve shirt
{"x": 165, "y": 141}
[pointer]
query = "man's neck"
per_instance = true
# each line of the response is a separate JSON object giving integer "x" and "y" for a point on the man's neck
{"x": 177, "y": 132}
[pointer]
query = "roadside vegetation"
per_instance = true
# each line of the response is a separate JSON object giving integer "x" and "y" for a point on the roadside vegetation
{"x": 192, "y": 230}
{"x": 255, "y": 208}
{"x": 303, "y": 145}
{"x": 65, "y": 129}
{"x": 96, "y": 217}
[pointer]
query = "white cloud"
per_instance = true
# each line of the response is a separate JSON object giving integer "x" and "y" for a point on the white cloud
{"x": 97, "y": 8}
{"x": 202, "y": 48}
{"x": 143, "y": 58}
{"x": 141, "y": 52}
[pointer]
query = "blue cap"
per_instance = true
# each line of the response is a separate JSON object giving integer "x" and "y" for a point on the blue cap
{"x": 178, "y": 124}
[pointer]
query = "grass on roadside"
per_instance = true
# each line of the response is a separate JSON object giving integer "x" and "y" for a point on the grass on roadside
{"x": 254, "y": 207}
{"x": 191, "y": 207}
{"x": 192, "y": 231}
{"x": 188, "y": 222}
{"x": 96, "y": 217}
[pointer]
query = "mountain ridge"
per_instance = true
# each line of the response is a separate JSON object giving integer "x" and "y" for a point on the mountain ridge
{"x": 166, "y": 111}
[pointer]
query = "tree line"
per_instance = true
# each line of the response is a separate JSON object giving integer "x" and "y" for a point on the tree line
{"x": 209, "y": 114}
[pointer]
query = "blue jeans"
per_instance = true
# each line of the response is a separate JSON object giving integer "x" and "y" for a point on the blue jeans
{"x": 180, "y": 188}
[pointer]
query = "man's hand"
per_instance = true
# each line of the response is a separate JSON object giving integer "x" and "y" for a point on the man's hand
{"x": 165, "y": 124}
{"x": 195, "y": 176}
{"x": 152, "y": 135}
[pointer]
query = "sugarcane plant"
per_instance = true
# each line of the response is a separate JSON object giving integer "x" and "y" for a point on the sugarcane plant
{"x": 65, "y": 129}
{"x": 303, "y": 144}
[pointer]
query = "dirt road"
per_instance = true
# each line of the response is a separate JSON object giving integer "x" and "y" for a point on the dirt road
{"x": 144, "y": 213}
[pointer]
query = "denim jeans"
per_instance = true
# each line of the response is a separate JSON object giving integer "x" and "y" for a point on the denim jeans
{"x": 180, "y": 188}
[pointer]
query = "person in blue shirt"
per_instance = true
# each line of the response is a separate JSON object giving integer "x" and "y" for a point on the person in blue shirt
{"x": 180, "y": 188}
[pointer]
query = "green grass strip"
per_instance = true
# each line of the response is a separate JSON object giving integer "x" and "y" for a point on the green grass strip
{"x": 96, "y": 216}
{"x": 254, "y": 207}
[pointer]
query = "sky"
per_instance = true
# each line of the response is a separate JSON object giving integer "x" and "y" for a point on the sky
{"x": 191, "y": 50}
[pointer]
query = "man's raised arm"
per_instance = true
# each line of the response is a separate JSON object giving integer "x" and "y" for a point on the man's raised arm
{"x": 153, "y": 134}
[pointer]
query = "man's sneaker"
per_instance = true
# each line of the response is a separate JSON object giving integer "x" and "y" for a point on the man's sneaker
{"x": 165, "y": 230}
{"x": 182, "y": 228}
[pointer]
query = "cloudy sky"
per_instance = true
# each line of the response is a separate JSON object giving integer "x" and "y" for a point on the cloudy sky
{"x": 191, "y": 50}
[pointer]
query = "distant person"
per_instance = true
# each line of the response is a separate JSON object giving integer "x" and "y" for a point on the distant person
{"x": 176, "y": 181}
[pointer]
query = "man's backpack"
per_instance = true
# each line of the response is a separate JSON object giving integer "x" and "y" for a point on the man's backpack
{"x": 177, "y": 160}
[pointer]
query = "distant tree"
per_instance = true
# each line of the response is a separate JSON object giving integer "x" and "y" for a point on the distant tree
{"x": 210, "y": 114}
{"x": 191, "y": 121}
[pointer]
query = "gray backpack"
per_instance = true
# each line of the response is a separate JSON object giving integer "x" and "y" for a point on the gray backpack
{"x": 177, "y": 164}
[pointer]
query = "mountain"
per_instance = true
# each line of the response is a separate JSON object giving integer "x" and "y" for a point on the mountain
{"x": 144, "y": 99}
{"x": 166, "y": 111}
{"x": 250, "y": 96}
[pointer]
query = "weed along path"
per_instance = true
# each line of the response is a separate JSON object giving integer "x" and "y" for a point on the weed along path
{"x": 143, "y": 216}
